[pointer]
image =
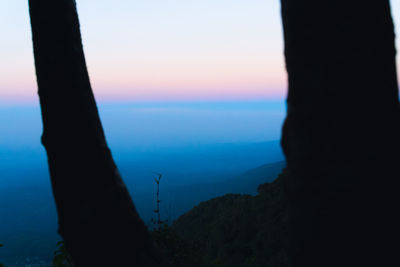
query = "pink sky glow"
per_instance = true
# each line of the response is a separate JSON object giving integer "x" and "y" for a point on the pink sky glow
{"x": 162, "y": 50}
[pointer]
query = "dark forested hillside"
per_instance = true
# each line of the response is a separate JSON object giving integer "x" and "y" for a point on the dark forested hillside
{"x": 239, "y": 230}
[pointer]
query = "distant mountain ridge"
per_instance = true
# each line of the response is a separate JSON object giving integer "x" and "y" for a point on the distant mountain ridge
{"x": 23, "y": 243}
{"x": 182, "y": 199}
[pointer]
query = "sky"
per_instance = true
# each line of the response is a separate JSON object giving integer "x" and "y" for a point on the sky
{"x": 161, "y": 50}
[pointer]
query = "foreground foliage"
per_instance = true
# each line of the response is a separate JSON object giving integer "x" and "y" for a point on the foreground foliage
{"x": 61, "y": 256}
{"x": 181, "y": 253}
{"x": 1, "y": 265}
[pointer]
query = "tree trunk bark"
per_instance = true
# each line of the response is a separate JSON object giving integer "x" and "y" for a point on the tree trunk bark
{"x": 97, "y": 218}
{"x": 341, "y": 134}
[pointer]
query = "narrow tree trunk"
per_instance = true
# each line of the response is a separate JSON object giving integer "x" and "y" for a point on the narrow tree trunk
{"x": 341, "y": 134}
{"x": 97, "y": 218}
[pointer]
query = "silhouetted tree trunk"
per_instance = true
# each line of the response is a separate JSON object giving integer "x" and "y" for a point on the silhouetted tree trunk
{"x": 97, "y": 218}
{"x": 341, "y": 135}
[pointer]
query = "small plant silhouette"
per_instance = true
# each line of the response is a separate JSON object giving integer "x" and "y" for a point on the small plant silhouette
{"x": 179, "y": 252}
{"x": 158, "y": 223}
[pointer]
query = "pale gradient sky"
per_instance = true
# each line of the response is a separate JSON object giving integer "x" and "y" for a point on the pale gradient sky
{"x": 160, "y": 50}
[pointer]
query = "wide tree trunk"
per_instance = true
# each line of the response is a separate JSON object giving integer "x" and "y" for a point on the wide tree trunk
{"x": 341, "y": 135}
{"x": 97, "y": 218}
